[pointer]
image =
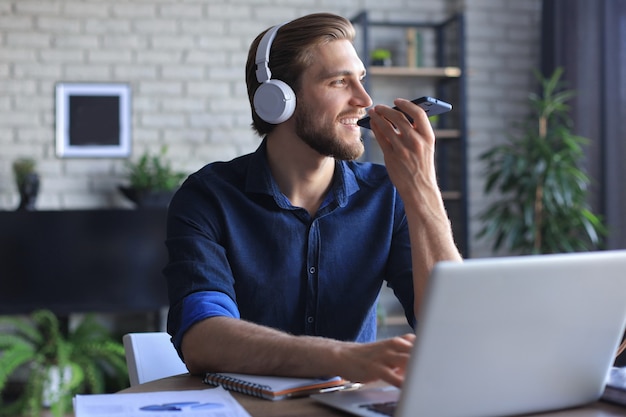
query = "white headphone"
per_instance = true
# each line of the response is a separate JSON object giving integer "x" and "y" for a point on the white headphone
{"x": 274, "y": 101}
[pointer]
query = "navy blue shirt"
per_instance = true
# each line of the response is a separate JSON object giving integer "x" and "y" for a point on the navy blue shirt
{"x": 238, "y": 248}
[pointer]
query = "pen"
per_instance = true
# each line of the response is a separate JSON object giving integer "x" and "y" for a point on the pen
{"x": 347, "y": 386}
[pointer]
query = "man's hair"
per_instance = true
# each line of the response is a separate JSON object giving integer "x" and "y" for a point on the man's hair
{"x": 292, "y": 52}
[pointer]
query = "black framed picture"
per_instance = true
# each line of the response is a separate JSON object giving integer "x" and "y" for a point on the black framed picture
{"x": 92, "y": 120}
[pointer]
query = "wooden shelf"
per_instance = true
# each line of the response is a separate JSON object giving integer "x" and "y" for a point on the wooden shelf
{"x": 442, "y": 72}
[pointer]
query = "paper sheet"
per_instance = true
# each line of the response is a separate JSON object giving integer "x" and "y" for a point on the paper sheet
{"x": 215, "y": 402}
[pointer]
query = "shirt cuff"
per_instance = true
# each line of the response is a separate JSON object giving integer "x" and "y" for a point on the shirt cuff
{"x": 203, "y": 305}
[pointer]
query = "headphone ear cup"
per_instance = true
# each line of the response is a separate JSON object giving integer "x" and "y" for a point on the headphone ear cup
{"x": 274, "y": 101}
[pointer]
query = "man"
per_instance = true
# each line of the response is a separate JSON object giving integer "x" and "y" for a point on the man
{"x": 277, "y": 257}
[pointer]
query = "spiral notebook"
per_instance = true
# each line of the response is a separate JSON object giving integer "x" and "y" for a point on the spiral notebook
{"x": 274, "y": 387}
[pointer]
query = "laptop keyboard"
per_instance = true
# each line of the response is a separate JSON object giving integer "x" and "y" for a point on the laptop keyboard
{"x": 386, "y": 408}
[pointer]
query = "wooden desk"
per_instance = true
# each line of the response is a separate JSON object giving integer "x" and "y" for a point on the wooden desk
{"x": 305, "y": 407}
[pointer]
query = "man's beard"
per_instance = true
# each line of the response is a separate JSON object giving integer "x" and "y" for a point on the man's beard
{"x": 322, "y": 138}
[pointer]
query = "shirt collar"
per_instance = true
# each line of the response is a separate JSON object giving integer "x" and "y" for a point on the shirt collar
{"x": 259, "y": 179}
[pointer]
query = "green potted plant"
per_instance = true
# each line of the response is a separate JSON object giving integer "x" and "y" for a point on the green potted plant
{"x": 542, "y": 190}
{"x": 381, "y": 57}
{"x": 56, "y": 365}
{"x": 27, "y": 182}
{"x": 152, "y": 181}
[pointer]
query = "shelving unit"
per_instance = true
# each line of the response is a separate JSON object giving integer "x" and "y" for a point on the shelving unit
{"x": 440, "y": 72}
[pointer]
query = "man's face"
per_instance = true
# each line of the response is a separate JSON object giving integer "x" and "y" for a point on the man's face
{"x": 331, "y": 100}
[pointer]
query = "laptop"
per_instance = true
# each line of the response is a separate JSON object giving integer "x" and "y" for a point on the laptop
{"x": 506, "y": 336}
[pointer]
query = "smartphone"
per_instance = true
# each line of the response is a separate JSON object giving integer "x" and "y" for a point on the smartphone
{"x": 431, "y": 106}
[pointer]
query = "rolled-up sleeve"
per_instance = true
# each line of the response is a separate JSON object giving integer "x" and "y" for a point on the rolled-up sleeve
{"x": 203, "y": 305}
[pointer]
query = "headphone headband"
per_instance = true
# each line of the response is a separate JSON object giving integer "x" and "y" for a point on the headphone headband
{"x": 262, "y": 59}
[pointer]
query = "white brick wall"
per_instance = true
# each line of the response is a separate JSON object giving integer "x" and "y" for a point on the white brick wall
{"x": 184, "y": 62}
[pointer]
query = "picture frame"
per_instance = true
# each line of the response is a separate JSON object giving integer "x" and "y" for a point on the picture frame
{"x": 93, "y": 120}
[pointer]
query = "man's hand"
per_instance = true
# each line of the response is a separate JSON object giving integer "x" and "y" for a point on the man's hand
{"x": 408, "y": 149}
{"x": 385, "y": 360}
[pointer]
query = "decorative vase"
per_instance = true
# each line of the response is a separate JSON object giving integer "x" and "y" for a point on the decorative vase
{"x": 29, "y": 189}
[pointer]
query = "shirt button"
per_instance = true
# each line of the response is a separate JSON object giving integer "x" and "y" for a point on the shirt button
{"x": 312, "y": 270}
{"x": 310, "y": 319}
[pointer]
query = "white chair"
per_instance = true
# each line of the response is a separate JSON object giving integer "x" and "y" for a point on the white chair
{"x": 150, "y": 356}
